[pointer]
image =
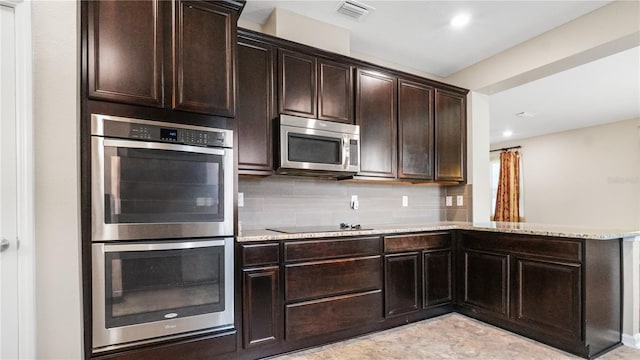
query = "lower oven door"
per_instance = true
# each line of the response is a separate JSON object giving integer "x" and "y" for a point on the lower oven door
{"x": 143, "y": 291}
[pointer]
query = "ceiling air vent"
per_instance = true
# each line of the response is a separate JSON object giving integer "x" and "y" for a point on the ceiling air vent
{"x": 354, "y": 9}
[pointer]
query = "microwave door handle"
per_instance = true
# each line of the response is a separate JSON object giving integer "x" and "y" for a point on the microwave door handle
{"x": 345, "y": 151}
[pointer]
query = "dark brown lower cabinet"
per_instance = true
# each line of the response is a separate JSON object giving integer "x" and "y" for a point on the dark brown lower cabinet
{"x": 331, "y": 285}
{"x": 328, "y": 315}
{"x": 485, "y": 285}
{"x": 329, "y": 277}
{"x": 418, "y": 272}
{"x": 564, "y": 292}
{"x": 402, "y": 284}
{"x": 437, "y": 278}
{"x": 261, "y": 306}
{"x": 547, "y": 296}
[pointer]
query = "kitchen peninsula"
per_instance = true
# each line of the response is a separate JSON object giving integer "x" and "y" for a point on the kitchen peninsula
{"x": 558, "y": 285}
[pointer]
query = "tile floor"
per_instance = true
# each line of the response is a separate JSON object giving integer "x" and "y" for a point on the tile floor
{"x": 451, "y": 336}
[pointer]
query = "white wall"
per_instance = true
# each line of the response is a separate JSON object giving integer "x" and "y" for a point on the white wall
{"x": 295, "y": 27}
{"x": 56, "y": 112}
{"x": 587, "y": 177}
{"x": 478, "y": 172}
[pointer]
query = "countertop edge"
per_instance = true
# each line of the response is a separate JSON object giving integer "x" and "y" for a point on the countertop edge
{"x": 510, "y": 228}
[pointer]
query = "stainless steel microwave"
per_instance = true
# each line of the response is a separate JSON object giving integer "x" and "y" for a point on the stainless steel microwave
{"x": 317, "y": 147}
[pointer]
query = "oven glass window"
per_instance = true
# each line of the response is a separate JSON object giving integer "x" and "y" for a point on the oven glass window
{"x": 314, "y": 149}
{"x": 159, "y": 186}
{"x": 146, "y": 286}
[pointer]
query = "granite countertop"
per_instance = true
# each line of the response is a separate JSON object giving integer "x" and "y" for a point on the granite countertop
{"x": 503, "y": 227}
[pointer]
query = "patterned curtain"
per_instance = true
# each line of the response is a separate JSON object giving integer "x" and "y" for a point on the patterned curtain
{"x": 508, "y": 197}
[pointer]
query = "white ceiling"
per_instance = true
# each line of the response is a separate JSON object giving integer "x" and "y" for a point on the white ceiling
{"x": 417, "y": 34}
{"x": 602, "y": 91}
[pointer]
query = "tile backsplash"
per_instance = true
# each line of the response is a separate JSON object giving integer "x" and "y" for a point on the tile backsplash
{"x": 455, "y": 212}
{"x": 283, "y": 201}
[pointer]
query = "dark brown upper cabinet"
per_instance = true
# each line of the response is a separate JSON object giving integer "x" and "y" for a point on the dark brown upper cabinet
{"x": 173, "y": 55}
{"x": 415, "y": 130}
{"x": 314, "y": 87}
{"x": 376, "y": 115}
{"x": 335, "y": 91}
{"x": 450, "y": 136}
{"x": 204, "y": 37}
{"x": 125, "y": 52}
{"x": 256, "y": 106}
{"x": 297, "y": 91}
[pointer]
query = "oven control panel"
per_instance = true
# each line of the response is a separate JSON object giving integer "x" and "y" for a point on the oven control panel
{"x": 176, "y": 135}
{"x": 111, "y": 126}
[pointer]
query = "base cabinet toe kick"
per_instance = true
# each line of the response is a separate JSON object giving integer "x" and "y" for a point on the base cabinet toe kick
{"x": 564, "y": 292}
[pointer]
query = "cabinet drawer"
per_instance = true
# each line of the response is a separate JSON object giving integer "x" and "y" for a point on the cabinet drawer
{"x": 332, "y": 277}
{"x": 551, "y": 247}
{"x": 333, "y": 314}
{"x": 260, "y": 254}
{"x": 323, "y": 249}
{"x": 414, "y": 242}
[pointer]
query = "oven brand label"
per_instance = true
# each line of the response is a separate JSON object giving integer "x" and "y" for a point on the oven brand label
{"x": 170, "y": 315}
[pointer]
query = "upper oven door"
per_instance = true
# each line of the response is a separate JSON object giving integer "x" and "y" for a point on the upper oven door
{"x": 146, "y": 190}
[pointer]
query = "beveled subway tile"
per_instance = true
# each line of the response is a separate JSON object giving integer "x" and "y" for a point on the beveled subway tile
{"x": 269, "y": 185}
{"x": 329, "y": 188}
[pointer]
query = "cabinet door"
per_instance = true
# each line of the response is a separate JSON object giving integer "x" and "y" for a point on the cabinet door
{"x": 125, "y": 52}
{"x": 335, "y": 92}
{"x": 437, "y": 277}
{"x": 376, "y": 115}
{"x": 256, "y": 105}
{"x": 486, "y": 282}
{"x": 203, "y": 69}
{"x": 415, "y": 130}
{"x": 297, "y": 84}
{"x": 450, "y": 136}
{"x": 402, "y": 292}
{"x": 548, "y": 297}
{"x": 260, "y": 306}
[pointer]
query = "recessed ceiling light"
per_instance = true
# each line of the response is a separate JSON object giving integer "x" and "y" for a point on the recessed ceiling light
{"x": 460, "y": 20}
{"x": 507, "y": 133}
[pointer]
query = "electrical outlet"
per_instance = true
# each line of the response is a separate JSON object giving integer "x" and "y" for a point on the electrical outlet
{"x": 240, "y": 199}
{"x": 405, "y": 201}
{"x": 354, "y": 202}
{"x": 459, "y": 201}
{"x": 449, "y": 201}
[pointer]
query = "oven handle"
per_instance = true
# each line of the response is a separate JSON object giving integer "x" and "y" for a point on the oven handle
{"x": 162, "y": 246}
{"x": 161, "y": 146}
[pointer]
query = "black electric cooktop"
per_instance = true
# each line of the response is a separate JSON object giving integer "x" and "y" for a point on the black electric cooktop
{"x": 314, "y": 229}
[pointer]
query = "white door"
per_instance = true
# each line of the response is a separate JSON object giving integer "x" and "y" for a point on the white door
{"x": 8, "y": 189}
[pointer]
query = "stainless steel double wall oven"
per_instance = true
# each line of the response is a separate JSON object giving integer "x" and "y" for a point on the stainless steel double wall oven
{"x": 162, "y": 230}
